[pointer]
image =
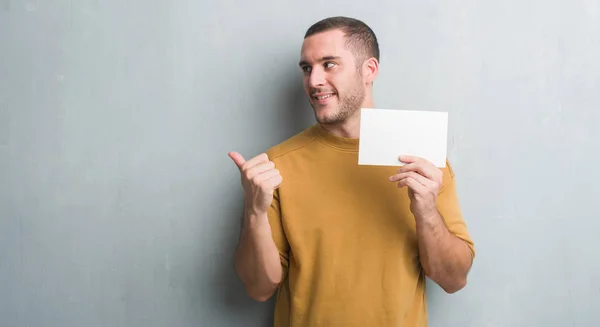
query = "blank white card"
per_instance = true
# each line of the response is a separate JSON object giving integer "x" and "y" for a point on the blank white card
{"x": 385, "y": 134}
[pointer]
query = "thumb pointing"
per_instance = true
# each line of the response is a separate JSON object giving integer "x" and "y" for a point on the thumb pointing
{"x": 237, "y": 158}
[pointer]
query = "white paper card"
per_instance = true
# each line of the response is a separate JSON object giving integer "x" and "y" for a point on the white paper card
{"x": 385, "y": 134}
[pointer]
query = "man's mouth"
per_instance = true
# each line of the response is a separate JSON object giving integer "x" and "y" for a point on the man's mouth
{"x": 323, "y": 96}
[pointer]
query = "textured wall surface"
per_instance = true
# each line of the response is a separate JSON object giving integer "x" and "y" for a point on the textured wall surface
{"x": 120, "y": 207}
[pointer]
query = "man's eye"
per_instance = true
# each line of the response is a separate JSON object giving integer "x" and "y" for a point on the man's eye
{"x": 329, "y": 64}
{"x": 306, "y": 69}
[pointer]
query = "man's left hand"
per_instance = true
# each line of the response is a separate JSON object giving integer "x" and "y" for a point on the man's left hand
{"x": 423, "y": 180}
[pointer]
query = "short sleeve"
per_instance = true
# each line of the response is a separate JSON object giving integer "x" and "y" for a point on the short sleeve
{"x": 277, "y": 231}
{"x": 449, "y": 208}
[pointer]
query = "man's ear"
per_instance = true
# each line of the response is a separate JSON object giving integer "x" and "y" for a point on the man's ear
{"x": 370, "y": 70}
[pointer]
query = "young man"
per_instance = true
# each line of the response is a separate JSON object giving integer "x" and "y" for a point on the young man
{"x": 343, "y": 244}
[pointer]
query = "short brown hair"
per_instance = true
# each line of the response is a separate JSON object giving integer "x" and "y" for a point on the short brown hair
{"x": 360, "y": 37}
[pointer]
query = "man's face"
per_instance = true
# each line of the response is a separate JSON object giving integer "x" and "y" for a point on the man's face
{"x": 332, "y": 80}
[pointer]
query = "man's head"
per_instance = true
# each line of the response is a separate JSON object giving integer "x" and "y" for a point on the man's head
{"x": 339, "y": 60}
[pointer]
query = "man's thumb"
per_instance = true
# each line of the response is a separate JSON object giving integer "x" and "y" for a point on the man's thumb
{"x": 237, "y": 158}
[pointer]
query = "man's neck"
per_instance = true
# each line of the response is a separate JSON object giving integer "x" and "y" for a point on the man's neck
{"x": 349, "y": 128}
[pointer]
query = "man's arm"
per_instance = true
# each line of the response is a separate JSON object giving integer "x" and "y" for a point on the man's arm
{"x": 445, "y": 258}
{"x": 257, "y": 258}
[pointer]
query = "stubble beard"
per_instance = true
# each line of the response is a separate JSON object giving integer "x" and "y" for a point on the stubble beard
{"x": 347, "y": 106}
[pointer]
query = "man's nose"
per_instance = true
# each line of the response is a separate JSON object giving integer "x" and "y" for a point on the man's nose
{"x": 317, "y": 78}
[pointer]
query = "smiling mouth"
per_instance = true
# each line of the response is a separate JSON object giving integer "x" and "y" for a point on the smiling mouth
{"x": 323, "y": 96}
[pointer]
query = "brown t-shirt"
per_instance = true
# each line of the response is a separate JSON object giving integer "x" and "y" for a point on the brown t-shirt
{"x": 347, "y": 238}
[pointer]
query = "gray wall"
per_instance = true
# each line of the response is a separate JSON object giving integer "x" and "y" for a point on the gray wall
{"x": 120, "y": 207}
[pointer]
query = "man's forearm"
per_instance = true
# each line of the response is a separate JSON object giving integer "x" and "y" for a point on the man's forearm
{"x": 445, "y": 258}
{"x": 257, "y": 258}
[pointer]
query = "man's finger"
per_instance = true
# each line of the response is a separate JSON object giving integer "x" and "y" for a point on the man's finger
{"x": 425, "y": 170}
{"x": 261, "y": 158}
{"x": 275, "y": 181}
{"x": 415, "y": 186}
{"x": 272, "y": 178}
{"x": 417, "y": 177}
{"x": 237, "y": 158}
{"x": 409, "y": 159}
{"x": 260, "y": 169}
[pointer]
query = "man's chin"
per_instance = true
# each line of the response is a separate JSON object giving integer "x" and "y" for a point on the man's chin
{"x": 326, "y": 119}
{"x": 327, "y": 114}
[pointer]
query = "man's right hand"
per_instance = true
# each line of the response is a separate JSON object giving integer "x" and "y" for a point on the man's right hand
{"x": 260, "y": 178}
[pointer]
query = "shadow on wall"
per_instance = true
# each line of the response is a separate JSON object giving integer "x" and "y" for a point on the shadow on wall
{"x": 292, "y": 111}
{"x": 291, "y": 114}
{"x": 300, "y": 114}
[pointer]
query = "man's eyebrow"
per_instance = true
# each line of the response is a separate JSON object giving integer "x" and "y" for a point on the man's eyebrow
{"x": 304, "y": 63}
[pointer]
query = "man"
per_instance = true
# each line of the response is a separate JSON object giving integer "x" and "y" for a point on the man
{"x": 343, "y": 244}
